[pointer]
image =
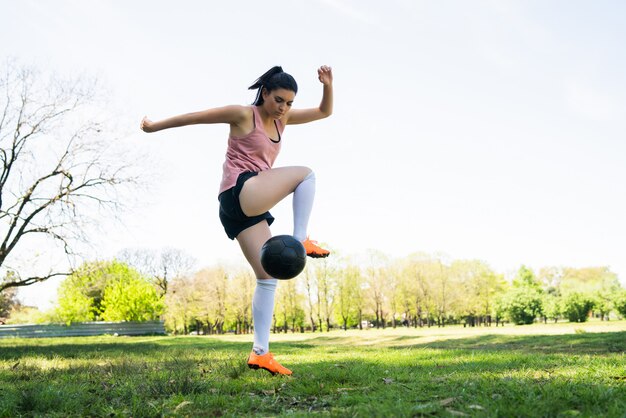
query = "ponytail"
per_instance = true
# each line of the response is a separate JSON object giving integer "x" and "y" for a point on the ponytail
{"x": 274, "y": 78}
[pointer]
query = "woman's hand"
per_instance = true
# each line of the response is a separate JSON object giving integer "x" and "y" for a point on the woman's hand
{"x": 146, "y": 125}
{"x": 325, "y": 75}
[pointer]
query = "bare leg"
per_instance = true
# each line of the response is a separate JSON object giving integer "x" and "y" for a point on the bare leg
{"x": 251, "y": 240}
{"x": 263, "y": 191}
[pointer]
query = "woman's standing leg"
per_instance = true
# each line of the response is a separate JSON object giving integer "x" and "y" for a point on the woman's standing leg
{"x": 251, "y": 240}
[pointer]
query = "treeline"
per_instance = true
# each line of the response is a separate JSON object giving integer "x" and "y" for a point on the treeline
{"x": 420, "y": 290}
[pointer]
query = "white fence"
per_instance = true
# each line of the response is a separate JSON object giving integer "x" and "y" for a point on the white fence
{"x": 82, "y": 329}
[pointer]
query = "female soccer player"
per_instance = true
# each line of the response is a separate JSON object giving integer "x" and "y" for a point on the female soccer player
{"x": 250, "y": 185}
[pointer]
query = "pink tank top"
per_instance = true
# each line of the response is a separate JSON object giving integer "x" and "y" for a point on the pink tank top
{"x": 253, "y": 152}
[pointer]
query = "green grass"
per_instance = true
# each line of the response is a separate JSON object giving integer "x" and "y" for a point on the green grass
{"x": 554, "y": 370}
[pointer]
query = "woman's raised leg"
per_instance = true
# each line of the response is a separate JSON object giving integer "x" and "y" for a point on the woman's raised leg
{"x": 263, "y": 191}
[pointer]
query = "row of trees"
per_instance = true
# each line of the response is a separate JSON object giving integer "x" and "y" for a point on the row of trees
{"x": 418, "y": 290}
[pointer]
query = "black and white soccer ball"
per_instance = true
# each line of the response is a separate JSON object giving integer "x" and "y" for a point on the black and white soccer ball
{"x": 283, "y": 257}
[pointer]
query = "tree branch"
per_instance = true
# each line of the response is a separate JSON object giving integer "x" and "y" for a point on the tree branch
{"x": 30, "y": 280}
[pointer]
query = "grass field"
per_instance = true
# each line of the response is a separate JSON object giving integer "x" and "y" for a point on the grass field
{"x": 526, "y": 371}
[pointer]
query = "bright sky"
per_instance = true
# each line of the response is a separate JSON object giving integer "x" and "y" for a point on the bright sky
{"x": 492, "y": 130}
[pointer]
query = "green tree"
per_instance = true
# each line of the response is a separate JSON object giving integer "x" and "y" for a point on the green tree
{"x": 598, "y": 284}
{"x": 480, "y": 285}
{"x": 73, "y": 304}
{"x": 376, "y": 276}
{"x": 526, "y": 279}
{"x": 312, "y": 305}
{"x": 288, "y": 312}
{"x": 552, "y": 308}
{"x": 523, "y": 302}
{"x": 131, "y": 297}
{"x": 208, "y": 301}
{"x": 445, "y": 292}
{"x": 179, "y": 302}
{"x": 588, "y": 280}
{"x": 522, "y": 305}
{"x": 419, "y": 273}
{"x": 82, "y": 294}
{"x": 324, "y": 272}
{"x": 603, "y": 302}
{"x": 619, "y": 302}
{"x": 577, "y": 306}
{"x": 8, "y": 298}
{"x": 348, "y": 295}
{"x": 237, "y": 300}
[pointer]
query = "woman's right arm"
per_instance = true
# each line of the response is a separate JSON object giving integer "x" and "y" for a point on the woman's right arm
{"x": 233, "y": 115}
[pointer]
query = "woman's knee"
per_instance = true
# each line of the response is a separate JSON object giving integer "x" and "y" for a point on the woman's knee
{"x": 310, "y": 175}
{"x": 303, "y": 172}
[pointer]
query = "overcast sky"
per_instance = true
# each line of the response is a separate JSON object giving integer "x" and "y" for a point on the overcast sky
{"x": 490, "y": 130}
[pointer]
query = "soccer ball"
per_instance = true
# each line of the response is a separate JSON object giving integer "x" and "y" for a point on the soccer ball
{"x": 283, "y": 257}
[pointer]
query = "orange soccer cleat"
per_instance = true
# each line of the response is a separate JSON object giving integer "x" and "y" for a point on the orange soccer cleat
{"x": 313, "y": 250}
{"x": 267, "y": 362}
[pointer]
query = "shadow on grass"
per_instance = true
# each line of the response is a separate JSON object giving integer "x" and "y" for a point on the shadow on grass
{"x": 94, "y": 347}
{"x": 130, "y": 346}
{"x": 586, "y": 343}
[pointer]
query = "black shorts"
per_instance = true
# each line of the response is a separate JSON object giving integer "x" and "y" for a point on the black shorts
{"x": 232, "y": 217}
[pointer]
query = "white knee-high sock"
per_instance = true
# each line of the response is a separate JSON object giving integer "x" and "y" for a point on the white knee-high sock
{"x": 303, "y": 198}
{"x": 262, "y": 313}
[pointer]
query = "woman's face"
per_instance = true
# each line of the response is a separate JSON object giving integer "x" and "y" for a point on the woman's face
{"x": 278, "y": 102}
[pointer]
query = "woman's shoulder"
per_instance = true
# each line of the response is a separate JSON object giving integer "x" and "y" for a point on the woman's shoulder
{"x": 244, "y": 121}
{"x": 236, "y": 114}
{"x": 239, "y": 110}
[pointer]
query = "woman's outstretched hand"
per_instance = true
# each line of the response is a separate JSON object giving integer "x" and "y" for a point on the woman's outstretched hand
{"x": 325, "y": 75}
{"x": 146, "y": 125}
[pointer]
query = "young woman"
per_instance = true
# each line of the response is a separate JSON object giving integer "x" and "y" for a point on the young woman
{"x": 250, "y": 185}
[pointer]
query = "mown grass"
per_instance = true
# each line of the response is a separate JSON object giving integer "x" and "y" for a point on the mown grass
{"x": 554, "y": 370}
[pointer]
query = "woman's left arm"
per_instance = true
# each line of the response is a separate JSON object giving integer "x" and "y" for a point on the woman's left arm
{"x": 325, "y": 109}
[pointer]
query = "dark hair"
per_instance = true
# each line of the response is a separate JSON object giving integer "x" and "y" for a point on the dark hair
{"x": 274, "y": 78}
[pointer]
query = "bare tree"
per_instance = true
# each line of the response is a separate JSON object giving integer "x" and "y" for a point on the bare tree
{"x": 56, "y": 174}
{"x": 161, "y": 265}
